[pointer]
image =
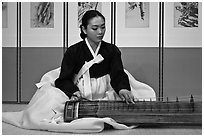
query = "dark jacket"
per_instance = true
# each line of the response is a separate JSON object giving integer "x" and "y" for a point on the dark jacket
{"x": 75, "y": 57}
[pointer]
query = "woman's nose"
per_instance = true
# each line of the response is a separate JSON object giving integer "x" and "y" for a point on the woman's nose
{"x": 100, "y": 30}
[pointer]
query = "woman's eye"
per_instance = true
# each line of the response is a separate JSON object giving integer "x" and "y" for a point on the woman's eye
{"x": 94, "y": 28}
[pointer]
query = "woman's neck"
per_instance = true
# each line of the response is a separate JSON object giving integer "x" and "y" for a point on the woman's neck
{"x": 93, "y": 45}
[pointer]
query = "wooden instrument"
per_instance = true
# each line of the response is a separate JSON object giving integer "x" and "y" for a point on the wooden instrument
{"x": 140, "y": 113}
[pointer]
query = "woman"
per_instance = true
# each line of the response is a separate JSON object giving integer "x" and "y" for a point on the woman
{"x": 92, "y": 32}
{"x": 91, "y": 69}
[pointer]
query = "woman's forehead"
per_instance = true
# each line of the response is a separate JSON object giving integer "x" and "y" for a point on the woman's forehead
{"x": 96, "y": 21}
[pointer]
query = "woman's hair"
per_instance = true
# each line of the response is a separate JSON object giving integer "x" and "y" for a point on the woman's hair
{"x": 86, "y": 18}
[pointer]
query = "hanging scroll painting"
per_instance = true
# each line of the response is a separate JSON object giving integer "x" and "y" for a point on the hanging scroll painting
{"x": 4, "y": 14}
{"x": 42, "y": 14}
{"x": 185, "y": 14}
{"x": 85, "y": 6}
{"x": 183, "y": 24}
{"x": 76, "y": 12}
{"x": 137, "y": 14}
{"x": 136, "y": 24}
{"x": 42, "y": 24}
{"x": 9, "y": 21}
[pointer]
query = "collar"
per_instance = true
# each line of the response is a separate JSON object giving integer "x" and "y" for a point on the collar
{"x": 90, "y": 48}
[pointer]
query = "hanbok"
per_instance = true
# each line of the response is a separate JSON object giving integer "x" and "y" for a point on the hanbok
{"x": 46, "y": 108}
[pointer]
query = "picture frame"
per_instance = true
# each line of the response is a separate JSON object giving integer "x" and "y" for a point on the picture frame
{"x": 74, "y": 30}
{"x": 137, "y": 36}
{"x": 42, "y": 36}
{"x": 181, "y": 36}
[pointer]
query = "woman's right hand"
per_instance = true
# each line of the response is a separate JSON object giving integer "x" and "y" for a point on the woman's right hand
{"x": 76, "y": 96}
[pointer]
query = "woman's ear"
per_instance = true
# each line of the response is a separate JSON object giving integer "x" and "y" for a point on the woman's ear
{"x": 83, "y": 29}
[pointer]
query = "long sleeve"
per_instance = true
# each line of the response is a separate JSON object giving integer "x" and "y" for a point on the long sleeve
{"x": 65, "y": 80}
{"x": 119, "y": 79}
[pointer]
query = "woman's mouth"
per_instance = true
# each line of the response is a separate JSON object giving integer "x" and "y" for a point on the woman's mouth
{"x": 100, "y": 37}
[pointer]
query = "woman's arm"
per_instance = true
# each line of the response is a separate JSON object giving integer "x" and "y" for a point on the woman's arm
{"x": 65, "y": 80}
{"x": 119, "y": 79}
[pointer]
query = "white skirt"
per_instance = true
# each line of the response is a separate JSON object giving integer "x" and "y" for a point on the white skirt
{"x": 45, "y": 109}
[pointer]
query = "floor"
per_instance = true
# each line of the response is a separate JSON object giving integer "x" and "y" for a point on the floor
{"x": 8, "y": 129}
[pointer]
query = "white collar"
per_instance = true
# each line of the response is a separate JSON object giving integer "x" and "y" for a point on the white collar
{"x": 90, "y": 48}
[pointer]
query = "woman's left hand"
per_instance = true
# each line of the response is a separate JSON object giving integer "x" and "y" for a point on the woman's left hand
{"x": 126, "y": 95}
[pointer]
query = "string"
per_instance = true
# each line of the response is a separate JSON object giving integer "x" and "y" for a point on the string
{"x": 90, "y": 108}
{"x": 182, "y": 98}
{"x": 123, "y": 106}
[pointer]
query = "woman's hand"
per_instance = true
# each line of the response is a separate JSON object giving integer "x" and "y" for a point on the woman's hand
{"x": 126, "y": 95}
{"x": 76, "y": 96}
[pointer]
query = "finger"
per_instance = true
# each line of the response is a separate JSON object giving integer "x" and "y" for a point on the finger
{"x": 122, "y": 97}
{"x": 131, "y": 97}
{"x": 78, "y": 94}
{"x": 127, "y": 99}
{"x": 132, "y": 100}
{"x": 74, "y": 98}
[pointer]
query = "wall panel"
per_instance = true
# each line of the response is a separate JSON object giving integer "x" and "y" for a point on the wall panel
{"x": 143, "y": 64}
{"x": 9, "y": 74}
{"x": 182, "y": 72}
{"x": 9, "y": 52}
{"x": 36, "y": 61}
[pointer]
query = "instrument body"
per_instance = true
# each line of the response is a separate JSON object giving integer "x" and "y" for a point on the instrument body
{"x": 142, "y": 112}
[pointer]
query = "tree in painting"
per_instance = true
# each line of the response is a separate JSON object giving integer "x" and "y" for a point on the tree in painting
{"x": 188, "y": 14}
{"x": 137, "y": 14}
{"x": 134, "y": 5}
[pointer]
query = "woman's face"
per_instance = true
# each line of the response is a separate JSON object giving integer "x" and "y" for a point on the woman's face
{"x": 95, "y": 29}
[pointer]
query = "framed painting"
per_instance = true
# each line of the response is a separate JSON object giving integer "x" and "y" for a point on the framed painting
{"x": 9, "y": 21}
{"x": 4, "y": 14}
{"x": 137, "y": 24}
{"x": 183, "y": 24}
{"x": 42, "y": 15}
{"x": 42, "y": 24}
{"x": 185, "y": 14}
{"x": 75, "y": 13}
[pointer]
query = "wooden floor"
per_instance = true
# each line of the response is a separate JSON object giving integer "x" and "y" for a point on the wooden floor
{"x": 8, "y": 129}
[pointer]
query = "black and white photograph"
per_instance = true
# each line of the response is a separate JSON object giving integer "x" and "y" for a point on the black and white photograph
{"x": 101, "y": 68}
